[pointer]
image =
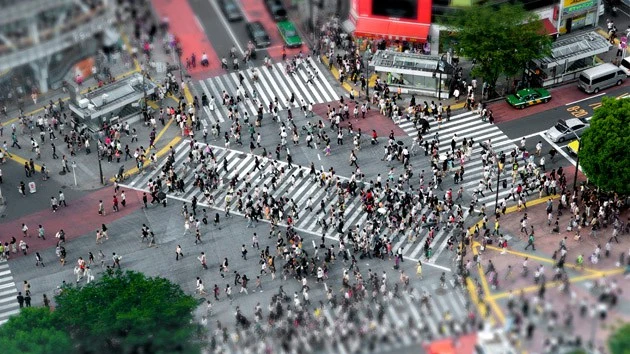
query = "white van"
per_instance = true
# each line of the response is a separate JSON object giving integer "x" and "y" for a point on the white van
{"x": 600, "y": 77}
{"x": 625, "y": 65}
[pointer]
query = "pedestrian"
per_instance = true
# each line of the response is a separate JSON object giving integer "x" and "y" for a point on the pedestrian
{"x": 24, "y": 247}
{"x": 244, "y": 281}
{"x": 27, "y": 299}
{"x": 116, "y": 260}
{"x": 216, "y": 291}
{"x": 244, "y": 252}
{"x": 38, "y": 260}
{"x": 20, "y": 299}
{"x": 46, "y": 301}
{"x": 145, "y": 200}
{"x": 530, "y": 242}
{"x": 62, "y": 199}
{"x": 123, "y": 199}
{"x": 258, "y": 284}
{"x": 25, "y": 230}
{"x": 419, "y": 269}
{"x": 40, "y": 232}
{"x": 115, "y": 203}
{"x": 101, "y": 208}
{"x": 255, "y": 243}
{"x": 178, "y": 252}
{"x": 202, "y": 259}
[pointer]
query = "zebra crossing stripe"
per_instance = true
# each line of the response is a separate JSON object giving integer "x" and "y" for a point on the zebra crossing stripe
{"x": 8, "y": 292}
{"x": 290, "y": 184}
{"x": 272, "y": 82}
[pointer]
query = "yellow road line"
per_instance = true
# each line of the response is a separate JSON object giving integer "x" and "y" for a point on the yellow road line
{"x": 187, "y": 94}
{"x": 22, "y": 160}
{"x": 530, "y": 203}
{"x": 541, "y": 259}
{"x": 158, "y": 154}
{"x": 128, "y": 46}
{"x": 482, "y": 308}
{"x": 576, "y": 279}
{"x": 157, "y": 138}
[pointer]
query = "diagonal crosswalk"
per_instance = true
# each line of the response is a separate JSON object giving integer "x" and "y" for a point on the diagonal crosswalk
{"x": 408, "y": 321}
{"x": 273, "y": 82}
{"x": 8, "y": 292}
{"x": 296, "y": 184}
{"x": 469, "y": 125}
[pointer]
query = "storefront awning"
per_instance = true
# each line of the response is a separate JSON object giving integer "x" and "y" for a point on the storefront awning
{"x": 391, "y": 29}
{"x": 549, "y": 27}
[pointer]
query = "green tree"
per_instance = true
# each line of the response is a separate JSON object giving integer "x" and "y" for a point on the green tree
{"x": 619, "y": 342}
{"x": 34, "y": 331}
{"x": 605, "y": 146}
{"x": 128, "y": 313}
{"x": 502, "y": 40}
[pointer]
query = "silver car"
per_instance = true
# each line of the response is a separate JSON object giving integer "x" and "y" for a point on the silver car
{"x": 567, "y": 129}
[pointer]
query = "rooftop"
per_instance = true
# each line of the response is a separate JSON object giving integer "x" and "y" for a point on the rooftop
{"x": 573, "y": 48}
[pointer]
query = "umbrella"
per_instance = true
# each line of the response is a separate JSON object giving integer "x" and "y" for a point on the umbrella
{"x": 161, "y": 196}
{"x": 399, "y": 142}
{"x": 382, "y": 210}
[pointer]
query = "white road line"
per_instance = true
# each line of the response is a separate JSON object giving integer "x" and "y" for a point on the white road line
{"x": 226, "y": 25}
{"x": 240, "y": 7}
{"x": 585, "y": 99}
{"x": 527, "y": 136}
{"x": 559, "y": 149}
{"x": 200, "y": 24}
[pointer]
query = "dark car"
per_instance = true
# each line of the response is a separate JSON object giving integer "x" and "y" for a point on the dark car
{"x": 276, "y": 9}
{"x": 231, "y": 10}
{"x": 257, "y": 33}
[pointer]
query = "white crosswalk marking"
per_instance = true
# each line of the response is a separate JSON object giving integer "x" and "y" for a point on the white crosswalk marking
{"x": 405, "y": 315}
{"x": 296, "y": 184}
{"x": 272, "y": 82}
{"x": 469, "y": 125}
{"x": 8, "y": 292}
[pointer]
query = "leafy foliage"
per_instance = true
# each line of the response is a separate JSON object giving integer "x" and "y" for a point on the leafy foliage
{"x": 120, "y": 313}
{"x": 502, "y": 40}
{"x": 33, "y": 331}
{"x": 128, "y": 313}
{"x": 605, "y": 151}
{"x": 619, "y": 342}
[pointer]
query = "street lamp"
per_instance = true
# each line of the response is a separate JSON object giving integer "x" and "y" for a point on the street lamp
{"x": 74, "y": 174}
{"x": 440, "y": 68}
{"x": 366, "y": 64}
{"x": 577, "y": 159}
{"x": 100, "y": 167}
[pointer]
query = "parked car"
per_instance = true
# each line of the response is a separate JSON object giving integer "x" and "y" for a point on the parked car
{"x": 258, "y": 34}
{"x": 276, "y": 9}
{"x": 231, "y": 10}
{"x": 567, "y": 129}
{"x": 289, "y": 34}
{"x": 528, "y": 97}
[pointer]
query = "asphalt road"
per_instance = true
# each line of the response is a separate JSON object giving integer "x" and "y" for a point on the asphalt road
{"x": 542, "y": 121}
{"x": 533, "y": 127}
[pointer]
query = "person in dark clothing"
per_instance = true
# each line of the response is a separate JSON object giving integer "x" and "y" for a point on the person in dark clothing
{"x": 20, "y": 299}
{"x": 27, "y": 300}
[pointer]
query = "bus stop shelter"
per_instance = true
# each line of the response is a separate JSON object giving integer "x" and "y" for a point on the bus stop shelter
{"x": 414, "y": 73}
{"x": 569, "y": 57}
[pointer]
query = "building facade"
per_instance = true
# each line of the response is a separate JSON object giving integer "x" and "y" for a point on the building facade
{"x": 42, "y": 40}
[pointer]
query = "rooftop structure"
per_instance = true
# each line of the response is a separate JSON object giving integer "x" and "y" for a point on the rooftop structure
{"x": 117, "y": 100}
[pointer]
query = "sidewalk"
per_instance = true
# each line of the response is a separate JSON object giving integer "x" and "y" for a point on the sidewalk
{"x": 581, "y": 278}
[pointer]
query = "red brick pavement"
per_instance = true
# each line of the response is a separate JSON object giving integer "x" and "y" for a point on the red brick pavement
{"x": 546, "y": 243}
{"x": 79, "y": 218}
{"x": 373, "y": 120}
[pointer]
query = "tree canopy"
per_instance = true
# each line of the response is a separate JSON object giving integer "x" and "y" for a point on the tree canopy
{"x": 619, "y": 342}
{"x": 120, "y": 313}
{"x": 502, "y": 40}
{"x": 34, "y": 331}
{"x": 605, "y": 146}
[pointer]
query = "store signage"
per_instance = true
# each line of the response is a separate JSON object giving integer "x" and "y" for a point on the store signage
{"x": 572, "y": 6}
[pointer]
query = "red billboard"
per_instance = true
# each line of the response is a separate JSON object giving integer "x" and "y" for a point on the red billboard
{"x": 408, "y": 20}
